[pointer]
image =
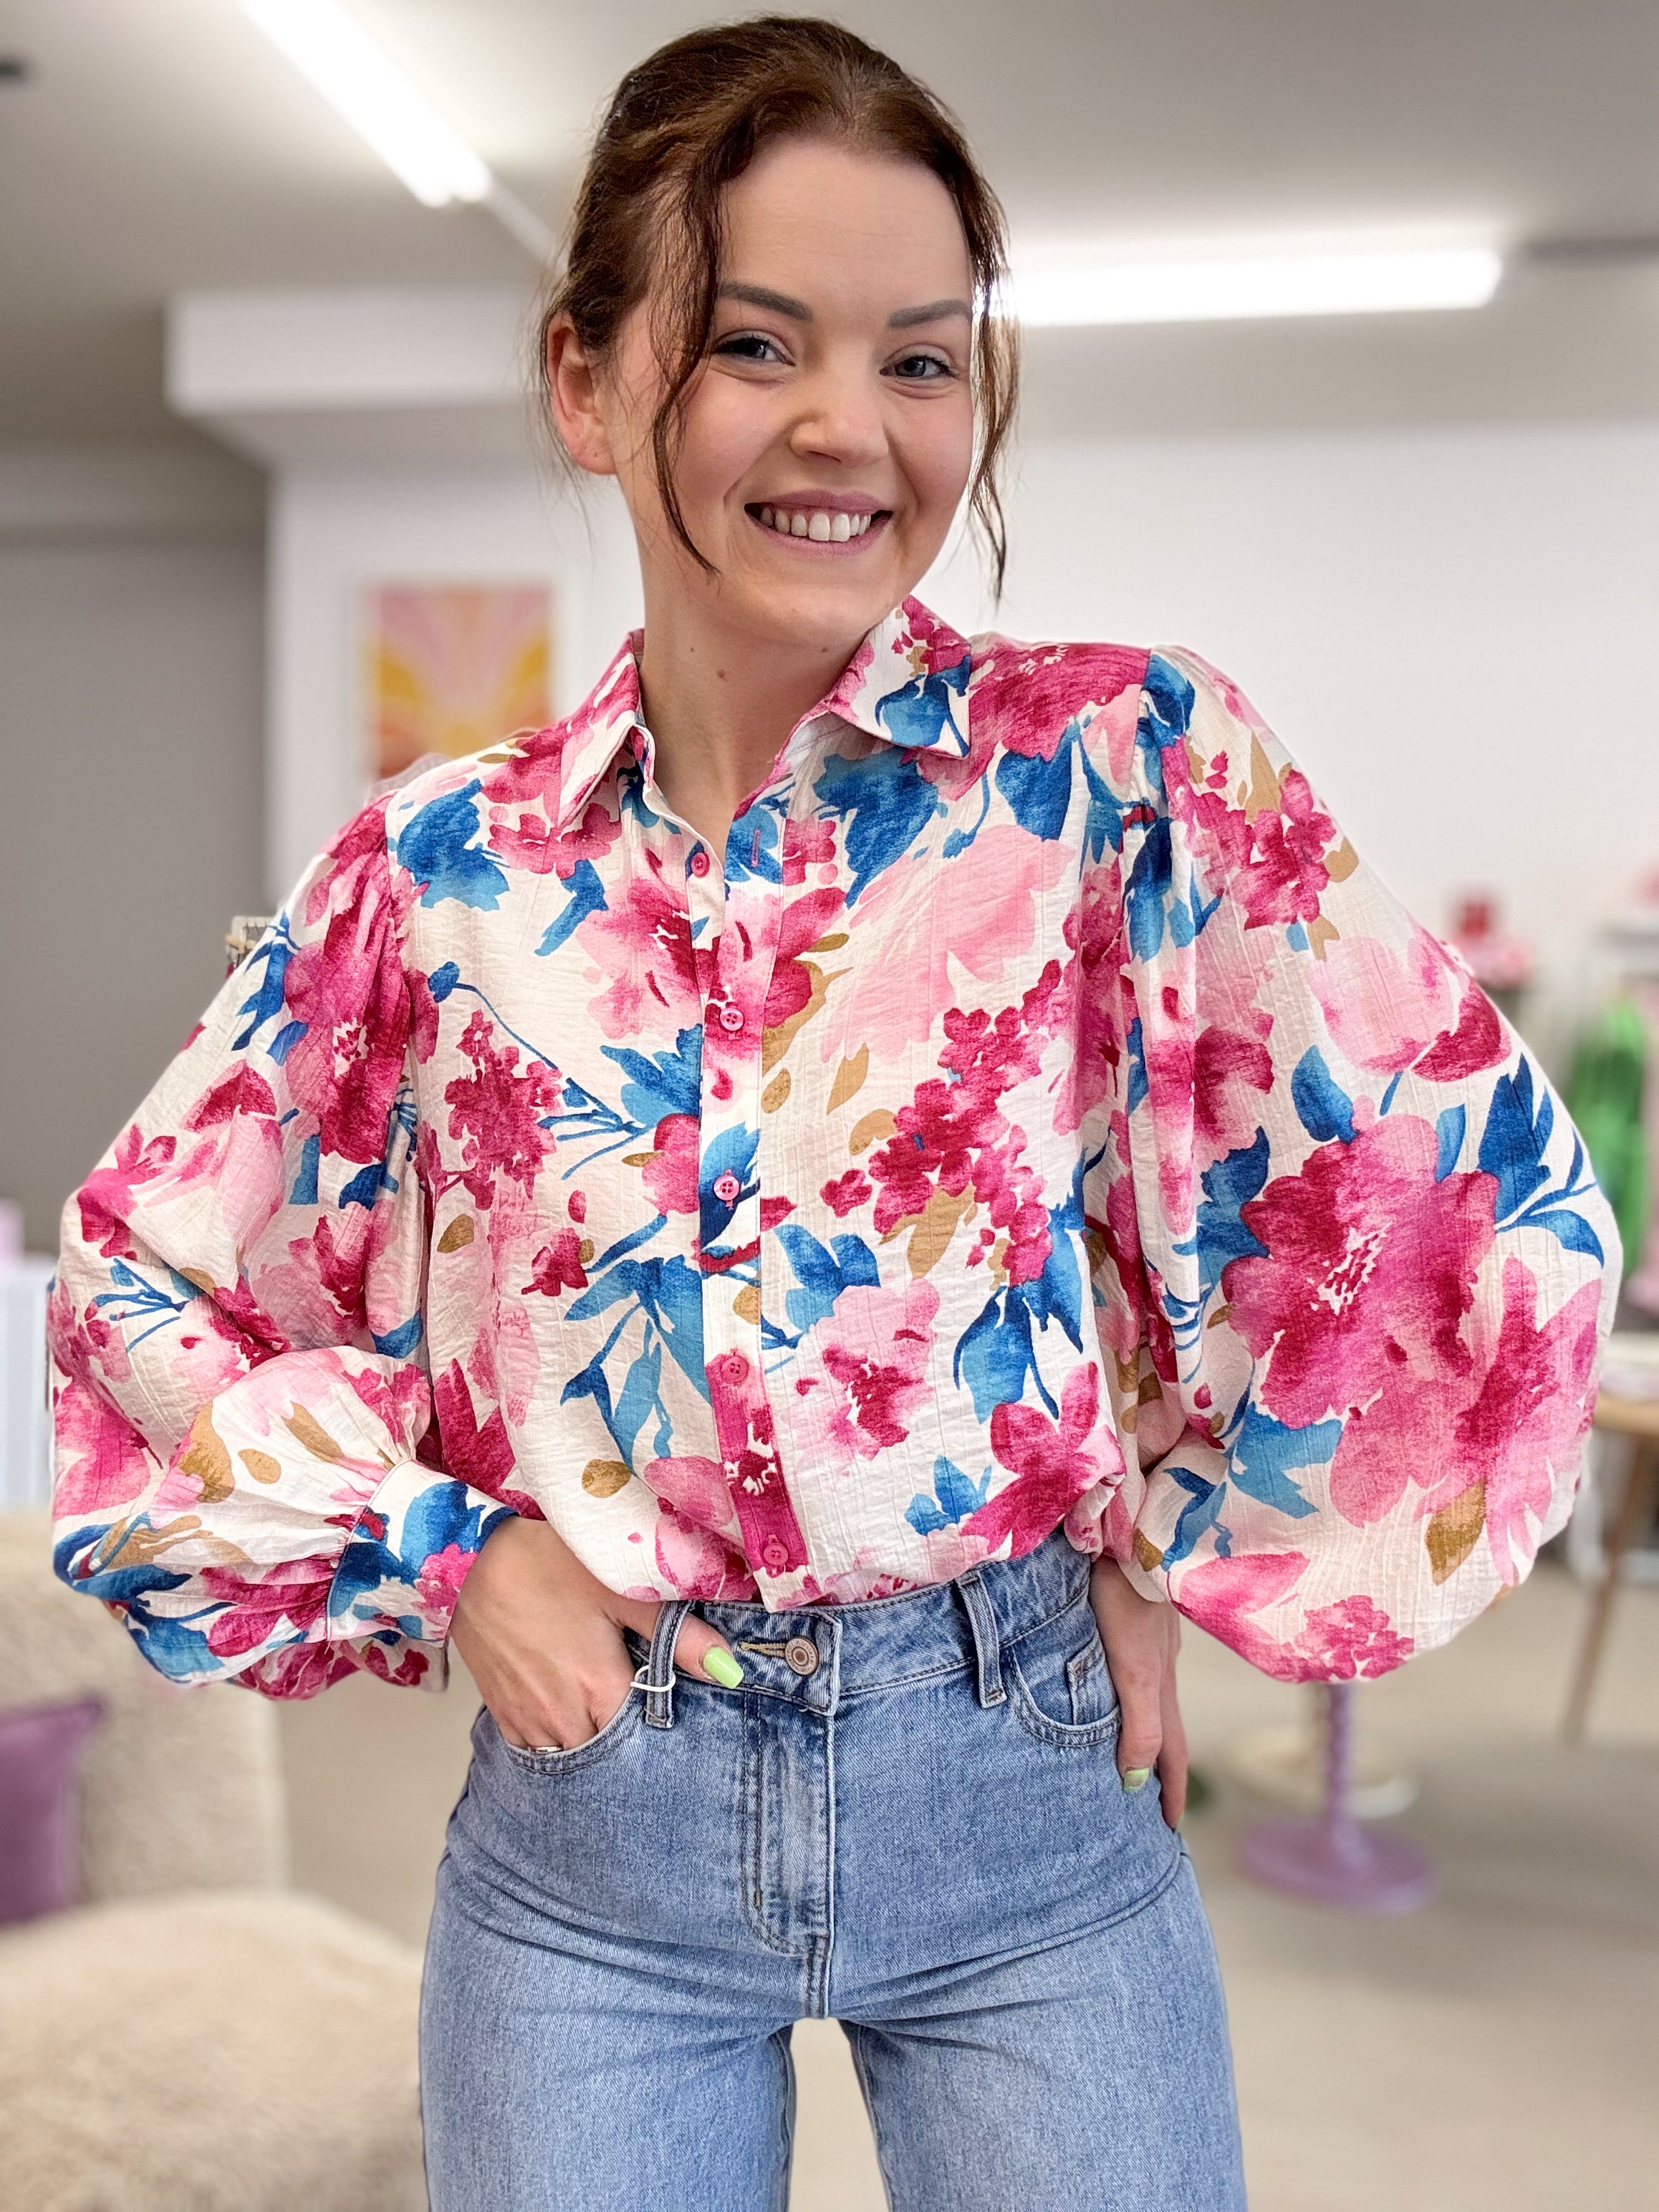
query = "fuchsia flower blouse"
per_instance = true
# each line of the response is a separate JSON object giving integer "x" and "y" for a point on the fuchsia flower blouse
{"x": 1040, "y": 1117}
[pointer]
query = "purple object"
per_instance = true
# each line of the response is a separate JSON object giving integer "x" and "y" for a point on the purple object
{"x": 40, "y": 1748}
{"x": 1333, "y": 1859}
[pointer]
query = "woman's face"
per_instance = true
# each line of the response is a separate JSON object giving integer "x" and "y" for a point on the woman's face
{"x": 829, "y": 436}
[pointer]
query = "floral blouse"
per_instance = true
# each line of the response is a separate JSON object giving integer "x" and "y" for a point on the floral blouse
{"x": 1039, "y": 1117}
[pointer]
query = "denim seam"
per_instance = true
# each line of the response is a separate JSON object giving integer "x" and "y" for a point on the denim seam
{"x": 1014, "y": 1643}
{"x": 866, "y": 2089}
{"x": 824, "y": 1948}
{"x": 785, "y": 2133}
{"x": 754, "y": 1872}
{"x": 904, "y": 1682}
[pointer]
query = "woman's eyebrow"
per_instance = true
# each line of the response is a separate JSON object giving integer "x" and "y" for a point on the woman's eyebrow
{"x": 934, "y": 312}
{"x": 757, "y": 295}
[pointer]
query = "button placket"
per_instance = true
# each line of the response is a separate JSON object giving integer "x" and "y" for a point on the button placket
{"x": 729, "y": 1172}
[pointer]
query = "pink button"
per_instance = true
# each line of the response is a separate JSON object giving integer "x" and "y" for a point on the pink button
{"x": 700, "y": 862}
{"x": 728, "y": 1188}
{"x": 732, "y": 1018}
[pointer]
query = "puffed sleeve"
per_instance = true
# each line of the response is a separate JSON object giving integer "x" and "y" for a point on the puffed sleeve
{"x": 236, "y": 1327}
{"x": 1373, "y": 1268}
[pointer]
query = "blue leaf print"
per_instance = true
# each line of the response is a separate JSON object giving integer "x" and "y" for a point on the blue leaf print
{"x": 1264, "y": 1451}
{"x": 304, "y": 1192}
{"x": 994, "y": 1354}
{"x": 399, "y": 1343}
{"x": 1104, "y": 823}
{"x": 1166, "y": 712}
{"x": 436, "y": 846}
{"x": 1038, "y": 791}
{"x": 442, "y": 981}
{"x": 1512, "y": 1144}
{"x": 1570, "y": 1230}
{"x": 822, "y": 1275}
{"x": 954, "y": 1499}
{"x": 1229, "y": 1185}
{"x": 1323, "y": 1107}
{"x": 273, "y": 954}
{"x": 1448, "y": 1130}
{"x": 1057, "y": 1293}
{"x": 587, "y": 896}
{"x": 285, "y": 1039}
{"x": 960, "y": 839}
{"x": 919, "y": 712}
{"x": 1201, "y": 1514}
{"x": 754, "y": 844}
{"x": 857, "y": 1262}
{"x": 890, "y": 803}
{"x": 1135, "y": 1046}
{"x": 639, "y": 1396}
{"x": 366, "y": 1186}
{"x": 114, "y": 1584}
{"x": 729, "y": 1159}
{"x": 666, "y": 1083}
{"x": 1147, "y": 888}
{"x": 819, "y": 1279}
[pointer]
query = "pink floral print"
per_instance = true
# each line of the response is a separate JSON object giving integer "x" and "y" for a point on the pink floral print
{"x": 1038, "y": 1117}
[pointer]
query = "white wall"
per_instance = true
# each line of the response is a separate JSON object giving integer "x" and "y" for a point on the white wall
{"x": 132, "y": 650}
{"x": 1452, "y": 630}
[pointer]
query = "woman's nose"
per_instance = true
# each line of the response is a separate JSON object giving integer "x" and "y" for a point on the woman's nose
{"x": 841, "y": 420}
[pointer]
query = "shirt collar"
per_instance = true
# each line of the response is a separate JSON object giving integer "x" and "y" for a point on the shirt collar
{"x": 907, "y": 685}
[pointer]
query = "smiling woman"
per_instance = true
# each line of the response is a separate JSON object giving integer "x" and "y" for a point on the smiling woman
{"x": 802, "y": 1217}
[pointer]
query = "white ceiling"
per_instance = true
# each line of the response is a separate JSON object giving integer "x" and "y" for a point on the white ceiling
{"x": 163, "y": 146}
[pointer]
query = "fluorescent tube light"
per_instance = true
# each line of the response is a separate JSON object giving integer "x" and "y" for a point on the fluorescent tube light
{"x": 332, "y": 49}
{"x": 1219, "y": 288}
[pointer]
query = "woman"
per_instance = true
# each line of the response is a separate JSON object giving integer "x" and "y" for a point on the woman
{"x": 768, "y": 1210}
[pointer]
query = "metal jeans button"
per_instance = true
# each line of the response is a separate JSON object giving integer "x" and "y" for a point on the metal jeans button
{"x": 802, "y": 1655}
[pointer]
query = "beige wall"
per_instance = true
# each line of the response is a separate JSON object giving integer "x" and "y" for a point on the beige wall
{"x": 132, "y": 621}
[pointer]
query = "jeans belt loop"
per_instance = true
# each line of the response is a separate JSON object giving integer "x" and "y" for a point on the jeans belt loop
{"x": 987, "y": 1640}
{"x": 656, "y": 1677}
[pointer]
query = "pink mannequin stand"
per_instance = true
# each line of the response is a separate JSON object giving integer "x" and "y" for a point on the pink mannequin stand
{"x": 1331, "y": 1859}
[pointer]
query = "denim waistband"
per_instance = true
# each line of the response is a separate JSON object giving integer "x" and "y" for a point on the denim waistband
{"x": 817, "y": 1657}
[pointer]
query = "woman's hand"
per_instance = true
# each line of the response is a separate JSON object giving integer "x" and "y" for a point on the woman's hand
{"x": 542, "y": 1638}
{"x": 1141, "y": 1639}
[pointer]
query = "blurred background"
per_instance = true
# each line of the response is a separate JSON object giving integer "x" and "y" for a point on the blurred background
{"x": 1343, "y": 367}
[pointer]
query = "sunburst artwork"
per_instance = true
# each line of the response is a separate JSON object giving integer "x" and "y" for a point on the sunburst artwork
{"x": 452, "y": 668}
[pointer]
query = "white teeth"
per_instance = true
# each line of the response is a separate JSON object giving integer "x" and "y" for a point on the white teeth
{"x": 818, "y": 523}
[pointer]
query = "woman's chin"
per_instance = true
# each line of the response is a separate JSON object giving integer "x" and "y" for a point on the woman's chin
{"x": 829, "y": 608}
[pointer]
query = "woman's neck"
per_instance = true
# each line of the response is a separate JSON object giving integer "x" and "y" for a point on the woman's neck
{"x": 718, "y": 704}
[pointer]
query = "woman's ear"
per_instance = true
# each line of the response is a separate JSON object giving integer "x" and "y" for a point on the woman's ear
{"x": 573, "y": 390}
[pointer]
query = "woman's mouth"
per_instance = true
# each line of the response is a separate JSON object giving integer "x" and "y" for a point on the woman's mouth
{"x": 818, "y": 526}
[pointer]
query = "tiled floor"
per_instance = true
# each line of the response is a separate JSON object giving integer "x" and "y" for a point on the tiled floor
{"x": 1495, "y": 2050}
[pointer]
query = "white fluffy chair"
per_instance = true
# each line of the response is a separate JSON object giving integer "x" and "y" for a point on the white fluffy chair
{"x": 193, "y": 2037}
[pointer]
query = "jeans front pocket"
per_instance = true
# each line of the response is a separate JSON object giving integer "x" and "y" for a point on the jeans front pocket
{"x": 543, "y": 1764}
{"x": 1059, "y": 1682}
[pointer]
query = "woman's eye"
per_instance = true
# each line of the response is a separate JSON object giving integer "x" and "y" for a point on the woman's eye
{"x": 750, "y": 345}
{"x": 921, "y": 368}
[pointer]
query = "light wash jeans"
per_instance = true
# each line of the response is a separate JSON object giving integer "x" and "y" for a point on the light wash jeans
{"x": 909, "y": 1817}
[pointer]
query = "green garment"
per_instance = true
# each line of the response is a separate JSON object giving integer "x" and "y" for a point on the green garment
{"x": 1604, "y": 1100}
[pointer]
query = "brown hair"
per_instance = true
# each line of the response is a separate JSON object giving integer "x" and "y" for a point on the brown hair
{"x": 683, "y": 124}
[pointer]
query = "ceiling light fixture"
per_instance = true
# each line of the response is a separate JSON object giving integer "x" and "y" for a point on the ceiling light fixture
{"x": 332, "y": 50}
{"x": 1358, "y": 280}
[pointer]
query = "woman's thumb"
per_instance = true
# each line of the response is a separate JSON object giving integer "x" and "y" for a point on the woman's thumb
{"x": 701, "y": 1652}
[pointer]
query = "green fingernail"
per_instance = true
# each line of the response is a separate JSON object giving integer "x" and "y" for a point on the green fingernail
{"x": 721, "y": 1667}
{"x": 1136, "y": 1777}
